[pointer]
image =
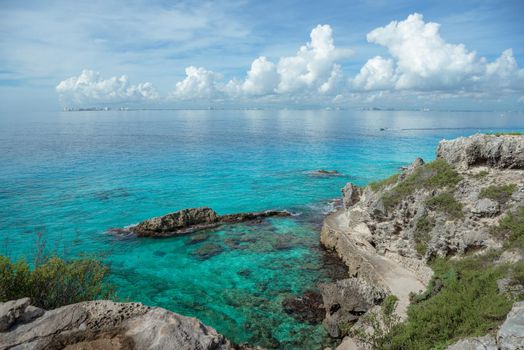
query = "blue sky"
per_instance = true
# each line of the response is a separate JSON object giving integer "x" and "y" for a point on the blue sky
{"x": 438, "y": 54}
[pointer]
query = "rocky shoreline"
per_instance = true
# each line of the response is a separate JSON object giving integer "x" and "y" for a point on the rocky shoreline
{"x": 386, "y": 234}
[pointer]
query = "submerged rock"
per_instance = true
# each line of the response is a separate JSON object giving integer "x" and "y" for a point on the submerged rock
{"x": 108, "y": 325}
{"x": 323, "y": 172}
{"x": 192, "y": 220}
{"x": 308, "y": 308}
{"x": 207, "y": 251}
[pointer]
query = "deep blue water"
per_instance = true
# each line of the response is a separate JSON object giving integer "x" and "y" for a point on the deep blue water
{"x": 73, "y": 175}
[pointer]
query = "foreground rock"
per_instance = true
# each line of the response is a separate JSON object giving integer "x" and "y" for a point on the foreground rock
{"x": 104, "y": 325}
{"x": 195, "y": 219}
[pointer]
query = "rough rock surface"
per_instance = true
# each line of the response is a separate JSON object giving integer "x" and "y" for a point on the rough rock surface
{"x": 511, "y": 334}
{"x": 108, "y": 325}
{"x": 193, "y": 219}
{"x": 345, "y": 301}
{"x": 350, "y": 195}
{"x": 505, "y": 151}
{"x": 486, "y": 342}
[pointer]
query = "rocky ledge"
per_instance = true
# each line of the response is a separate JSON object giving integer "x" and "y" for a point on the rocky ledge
{"x": 194, "y": 219}
{"x": 388, "y": 231}
{"x": 103, "y": 325}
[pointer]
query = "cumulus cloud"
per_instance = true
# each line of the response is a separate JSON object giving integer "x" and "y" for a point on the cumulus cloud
{"x": 421, "y": 65}
{"x": 89, "y": 87}
{"x": 422, "y": 60}
{"x": 199, "y": 83}
{"x": 314, "y": 65}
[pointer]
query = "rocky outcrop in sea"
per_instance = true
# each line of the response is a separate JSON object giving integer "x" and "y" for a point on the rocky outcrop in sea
{"x": 193, "y": 219}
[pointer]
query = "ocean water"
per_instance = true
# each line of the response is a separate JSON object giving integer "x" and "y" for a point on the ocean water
{"x": 71, "y": 176}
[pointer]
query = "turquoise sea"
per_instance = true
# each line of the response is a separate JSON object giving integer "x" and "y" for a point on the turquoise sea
{"x": 73, "y": 175}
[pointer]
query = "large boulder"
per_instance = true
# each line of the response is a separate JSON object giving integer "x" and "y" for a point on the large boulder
{"x": 505, "y": 151}
{"x": 345, "y": 301}
{"x": 108, "y": 325}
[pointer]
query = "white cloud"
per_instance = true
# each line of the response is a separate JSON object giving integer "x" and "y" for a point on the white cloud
{"x": 89, "y": 87}
{"x": 377, "y": 74}
{"x": 313, "y": 65}
{"x": 262, "y": 78}
{"x": 421, "y": 66}
{"x": 423, "y": 61}
{"x": 198, "y": 84}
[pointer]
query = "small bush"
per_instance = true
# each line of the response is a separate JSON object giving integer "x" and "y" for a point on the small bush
{"x": 510, "y": 133}
{"x": 500, "y": 193}
{"x": 511, "y": 227}
{"x": 378, "y": 185}
{"x": 446, "y": 203}
{"x": 481, "y": 174}
{"x": 55, "y": 282}
{"x": 435, "y": 175}
{"x": 423, "y": 227}
{"x": 467, "y": 303}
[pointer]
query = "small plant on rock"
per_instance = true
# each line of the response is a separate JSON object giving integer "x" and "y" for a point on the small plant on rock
{"x": 497, "y": 193}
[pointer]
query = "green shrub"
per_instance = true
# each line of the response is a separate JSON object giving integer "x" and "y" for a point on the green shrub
{"x": 423, "y": 227}
{"x": 434, "y": 175}
{"x": 511, "y": 133}
{"x": 378, "y": 185}
{"x": 467, "y": 304}
{"x": 481, "y": 174}
{"x": 55, "y": 282}
{"x": 500, "y": 193}
{"x": 511, "y": 227}
{"x": 446, "y": 203}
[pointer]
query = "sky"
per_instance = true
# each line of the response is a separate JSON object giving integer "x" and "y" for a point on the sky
{"x": 442, "y": 54}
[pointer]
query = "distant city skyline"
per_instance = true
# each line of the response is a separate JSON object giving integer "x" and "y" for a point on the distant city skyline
{"x": 245, "y": 54}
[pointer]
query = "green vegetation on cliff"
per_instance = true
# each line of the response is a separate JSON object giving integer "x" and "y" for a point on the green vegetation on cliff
{"x": 497, "y": 193}
{"x": 511, "y": 228}
{"x": 462, "y": 300}
{"x": 446, "y": 203}
{"x": 435, "y": 175}
{"x": 55, "y": 282}
{"x": 423, "y": 227}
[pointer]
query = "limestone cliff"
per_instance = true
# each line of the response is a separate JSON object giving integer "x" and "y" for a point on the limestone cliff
{"x": 387, "y": 231}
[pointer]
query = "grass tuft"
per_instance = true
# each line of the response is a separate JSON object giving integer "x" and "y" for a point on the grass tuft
{"x": 423, "y": 227}
{"x": 446, "y": 203}
{"x": 497, "y": 193}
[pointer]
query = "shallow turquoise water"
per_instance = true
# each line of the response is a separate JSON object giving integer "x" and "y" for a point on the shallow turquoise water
{"x": 74, "y": 175}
